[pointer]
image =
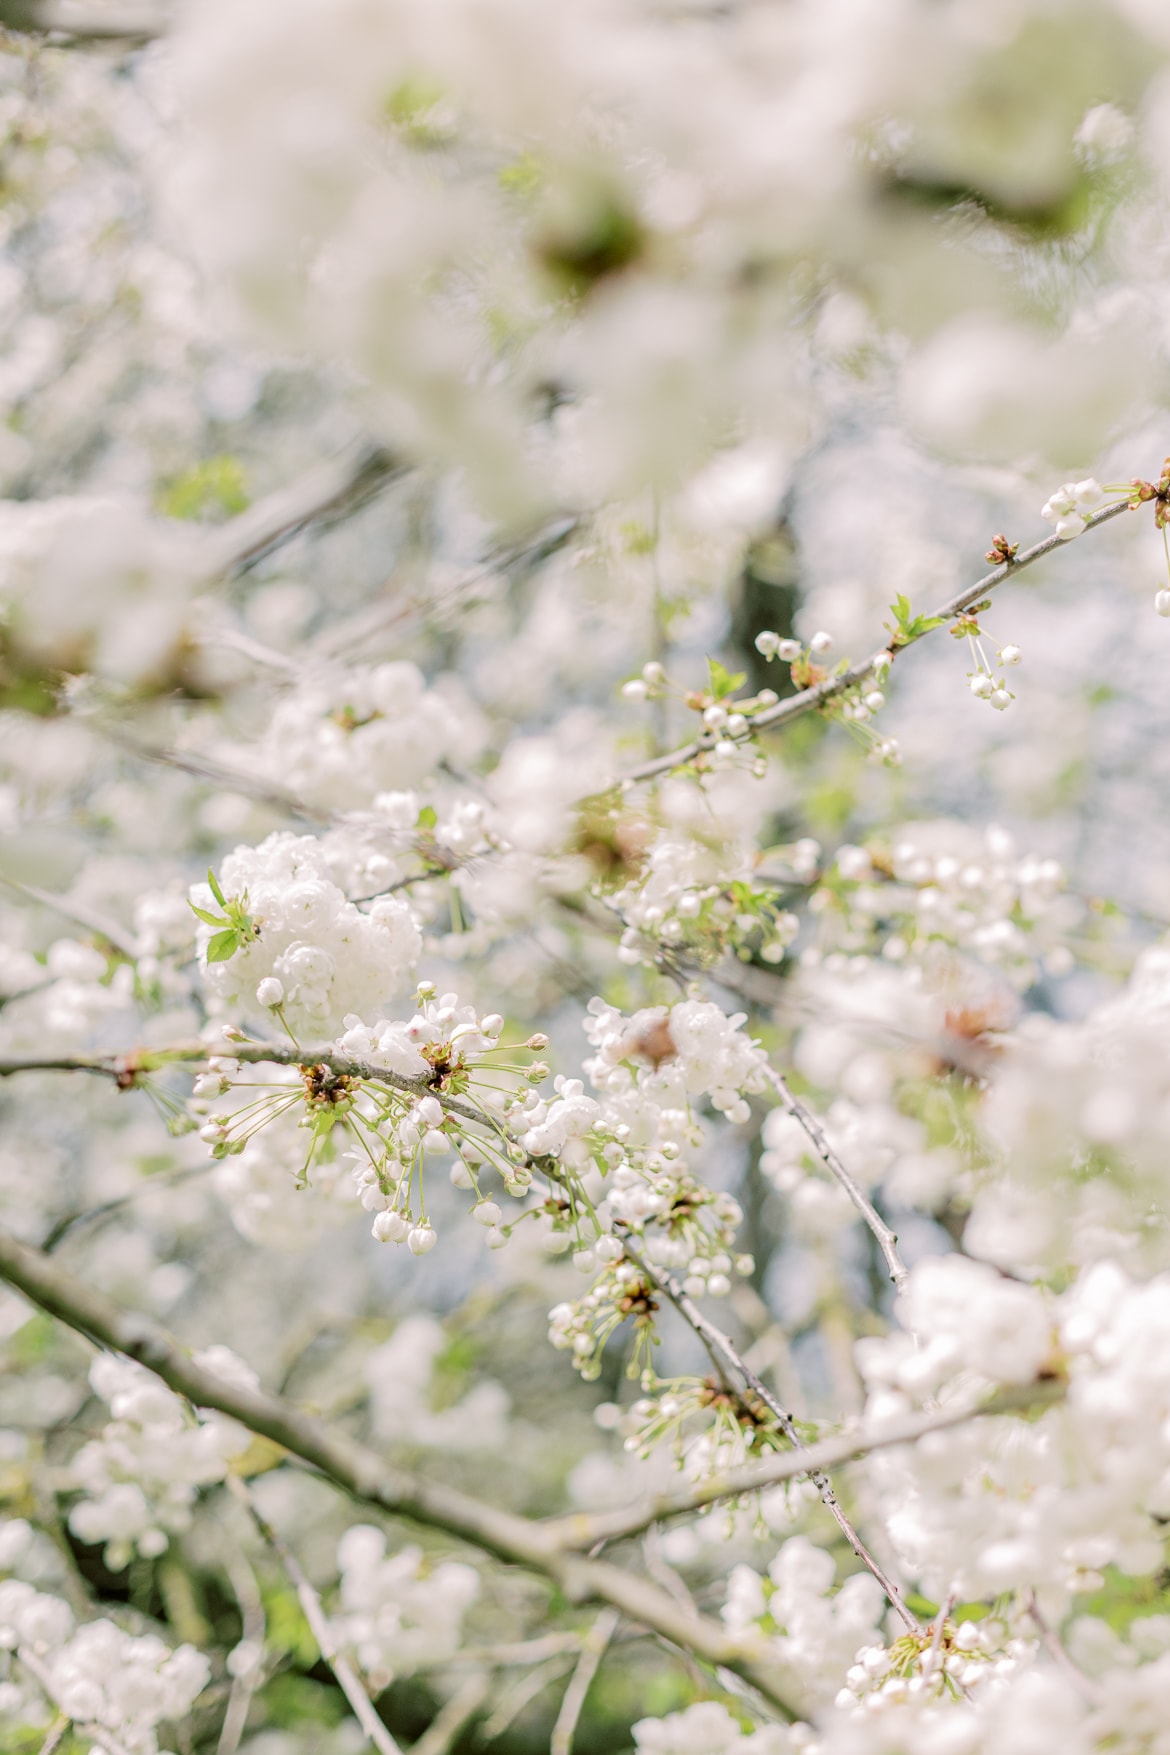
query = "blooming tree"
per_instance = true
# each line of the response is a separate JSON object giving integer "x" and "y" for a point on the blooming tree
{"x": 585, "y": 1131}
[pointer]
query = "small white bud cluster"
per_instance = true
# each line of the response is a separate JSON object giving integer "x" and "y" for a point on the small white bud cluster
{"x": 1070, "y": 507}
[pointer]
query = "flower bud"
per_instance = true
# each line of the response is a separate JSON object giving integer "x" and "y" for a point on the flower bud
{"x": 486, "y": 1213}
{"x": 390, "y": 1227}
{"x": 1162, "y": 603}
{"x": 270, "y": 991}
{"x": 422, "y": 1239}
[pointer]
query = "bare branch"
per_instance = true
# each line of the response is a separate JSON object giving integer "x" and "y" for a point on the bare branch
{"x": 54, "y": 1736}
{"x": 78, "y": 22}
{"x": 252, "y": 1629}
{"x": 328, "y": 491}
{"x": 207, "y": 768}
{"x": 451, "y": 1718}
{"x": 1085, "y": 1686}
{"x": 367, "y": 1478}
{"x": 78, "y": 912}
{"x": 715, "y": 1339}
{"x": 347, "y": 1678}
{"x": 886, "y": 1239}
{"x": 580, "y": 1682}
{"x": 809, "y": 699}
{"x": 585, "y": 1530}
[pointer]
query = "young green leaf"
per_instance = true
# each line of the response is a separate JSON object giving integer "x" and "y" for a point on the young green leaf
{"x": 208, "y": 919}
{"x": 223, "y": 945}
{"x": 213, "y": 885}
{"x": 906, "y": 626}
{"x": 724, "y": 682}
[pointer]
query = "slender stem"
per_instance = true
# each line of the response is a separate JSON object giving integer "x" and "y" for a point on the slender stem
{"x": 721, "y": 1343}
{"x": 252, "y": 1629}
{"x": 78, "y": 24}
{"x": 347, "y": 1678}
{"x": 55, "y": 1736}
{"x": 451, "y": 1718}
{"x": 887, "y": 1240}
{"x": 795, "y": 705}
{"x": 1050, "y": 1640}
{"x": 580, "y": 1682}
{"x": 325, "y": 491}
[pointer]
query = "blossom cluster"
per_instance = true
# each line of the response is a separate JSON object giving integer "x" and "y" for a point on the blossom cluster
{"x": 397, "y": 1613}
{"x": 139, "y": 1481}
{"x": 95, "y": 1673}
{"x": 303, "y": 946}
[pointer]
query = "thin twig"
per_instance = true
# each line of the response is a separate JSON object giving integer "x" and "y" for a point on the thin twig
{"x": 887, "y": 1240}
{"x": 325, "y": 492}
{"x": 347, "y": 1678}
{"x": 252, "y": 1630}
{"x": 207, "y": 768}
{"x": 80, "y": 23}
{"x": 520, "y": 1695}
{"x": 716, "y": 1339}
{"x": 451, "y": 1718}
{"x": 55, "y": 1736}
{"x": 808, "y": 699}
{"x": 78, "y": 912}
{"x": 1050, "y": 1640}
{"x": 660, "y": 1569}
{"x": 586, "y": 1529}
{"x": 592, "y": 1651}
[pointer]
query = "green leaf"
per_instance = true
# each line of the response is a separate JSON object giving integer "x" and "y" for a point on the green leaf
{"x": 208, "y": 919}
{"x": 223, "y": 945}
{"x": 211, "y": 491}
{"x": 723, "y": 682}
{"x": 427, "y": 817}
{"x": 213, "y": 885}
{"x": 906, "y": 626}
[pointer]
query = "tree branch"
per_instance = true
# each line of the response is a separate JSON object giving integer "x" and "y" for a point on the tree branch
{"x": 447, "y": 1723}
{"x": 81, "y": 23}
{"x": 327, "y": 491}
{"x": 718, "y": 1342}
{"x": 362, "y": 1474}
{"x": 580, "y": 1682}
{"x": 585, "y": 1529}
{"x": 887, "y": 1240}
{"x": 347, "y": 1678}
{"x": 809, "y": 699}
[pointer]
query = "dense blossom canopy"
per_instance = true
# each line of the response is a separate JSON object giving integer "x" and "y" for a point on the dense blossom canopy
{"x": 583, "y": 869}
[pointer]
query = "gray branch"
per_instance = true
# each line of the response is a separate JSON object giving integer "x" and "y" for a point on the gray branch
{"x": 809, "y": 699}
